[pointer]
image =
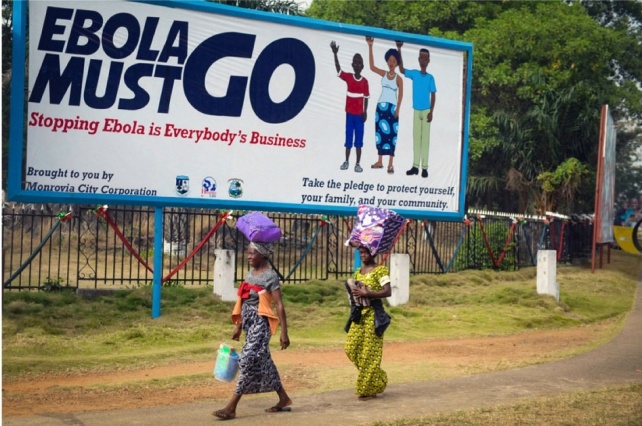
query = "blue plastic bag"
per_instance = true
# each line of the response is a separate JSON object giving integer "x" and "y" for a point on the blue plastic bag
{"x": 227, "y": 364}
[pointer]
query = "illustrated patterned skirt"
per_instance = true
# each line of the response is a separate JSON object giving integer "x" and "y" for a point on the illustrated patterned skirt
{"x": 364, "y": 348}
{"x": 386, "y": 127}
{"x": 257, "y": 370}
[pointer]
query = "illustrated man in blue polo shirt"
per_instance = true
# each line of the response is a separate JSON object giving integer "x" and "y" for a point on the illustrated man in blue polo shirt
{"x": 423, "y": 105}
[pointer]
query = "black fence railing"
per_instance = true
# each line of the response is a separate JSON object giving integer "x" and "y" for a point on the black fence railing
{"x": 42, "y": 248}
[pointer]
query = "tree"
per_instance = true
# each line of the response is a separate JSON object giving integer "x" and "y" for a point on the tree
{"x": 628, "y": 167}
{"x": 419, "y": 17}
{"x": 541, "y": 73}
{"x": 7, "y": 36}
{"x": 546, "y": 88}
{"x": 625, "y": 17}
{"x": 612, "y": 14}
{"x": 286, "y": 7}
{"x": 560, "y": 186}
{"x": 7, "y": 40}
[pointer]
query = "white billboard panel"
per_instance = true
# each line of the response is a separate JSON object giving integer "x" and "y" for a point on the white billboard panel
{"x": 201, "y": 105}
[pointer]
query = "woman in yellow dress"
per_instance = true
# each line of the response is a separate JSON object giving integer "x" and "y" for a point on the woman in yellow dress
{"x": 364, "y": 345}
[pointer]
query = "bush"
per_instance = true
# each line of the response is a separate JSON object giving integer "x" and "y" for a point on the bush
{"x": 474, "y": 252}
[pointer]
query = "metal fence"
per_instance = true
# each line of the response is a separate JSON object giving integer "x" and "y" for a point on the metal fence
{"x": 81, "y": 248}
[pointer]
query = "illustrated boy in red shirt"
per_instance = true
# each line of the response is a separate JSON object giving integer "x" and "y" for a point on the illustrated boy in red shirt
{"x": 357, "y": 96}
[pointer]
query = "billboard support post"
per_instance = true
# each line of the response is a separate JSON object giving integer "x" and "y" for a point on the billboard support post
{"x": 158, "y": 262}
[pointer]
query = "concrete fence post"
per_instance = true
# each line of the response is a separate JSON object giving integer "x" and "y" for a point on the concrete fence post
{"x": 547, "y": 273}
{"x": 224, "y": 267}
{"x": 400, "y": 279}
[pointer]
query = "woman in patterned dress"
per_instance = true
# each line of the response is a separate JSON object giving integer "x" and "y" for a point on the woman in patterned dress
{"x": 364, "y": 345}
{"x": 388, "y": 106}
{"x": 253, "y": 315}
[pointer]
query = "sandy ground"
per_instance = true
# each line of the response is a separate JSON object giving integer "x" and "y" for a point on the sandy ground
{"x": 427, "y": 378}
{"x": 127, "y": 389}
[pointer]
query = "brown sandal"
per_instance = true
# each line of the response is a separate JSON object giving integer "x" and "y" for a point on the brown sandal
{"x": 366, "y": 397}
{"x": 224, "y": 415}
{"x": 377, "y": 166}
{"x": 391, "y": 169}
{"x": 277, "y": 409}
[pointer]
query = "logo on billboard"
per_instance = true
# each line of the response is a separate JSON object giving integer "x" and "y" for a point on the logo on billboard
{"x": 208, "y": 187}
{"x": 236, "y": 189}
{"x": 182, "y": 185}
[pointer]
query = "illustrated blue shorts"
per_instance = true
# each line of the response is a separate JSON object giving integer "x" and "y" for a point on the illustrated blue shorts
{"x": 354, "y": 131}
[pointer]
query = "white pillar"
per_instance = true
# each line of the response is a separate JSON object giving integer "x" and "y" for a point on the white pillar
{"x": 400, "y": 279}
{"x": 224, "y": 268}
{"x": 546, "y": 273}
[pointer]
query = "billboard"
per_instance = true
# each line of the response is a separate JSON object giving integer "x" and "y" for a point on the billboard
{"x": 195, "y": 104}
{"x": 605, "y": 179}
{"x": 604, "y": 186}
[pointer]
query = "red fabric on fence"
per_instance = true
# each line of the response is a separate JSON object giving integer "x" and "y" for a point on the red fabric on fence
{"x": 490, "y": 250}
{"x": 198, "y": 247}
{"x": 102, "y": 212}
{"x": 561, "y": 242}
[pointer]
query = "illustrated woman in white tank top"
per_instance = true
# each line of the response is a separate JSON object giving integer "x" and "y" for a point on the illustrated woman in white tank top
{"x": 387, "y": 115}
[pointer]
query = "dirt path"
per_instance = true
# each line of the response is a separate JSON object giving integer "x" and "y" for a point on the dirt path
{"x": 123, "y": 398}
{"x": 126, "y": 389}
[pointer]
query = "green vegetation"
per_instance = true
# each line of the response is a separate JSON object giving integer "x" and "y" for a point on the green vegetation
{"x": 537, "y": 91}
{"x": 496, "y": 233}
{"x": 612, "y": 406}
{"x": 59, "y": 331}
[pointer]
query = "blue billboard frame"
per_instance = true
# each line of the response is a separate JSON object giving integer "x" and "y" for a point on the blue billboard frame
{"x": 16, "y": 191}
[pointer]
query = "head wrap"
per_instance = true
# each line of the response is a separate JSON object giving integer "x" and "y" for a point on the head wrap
{"x": 266, "y": 249}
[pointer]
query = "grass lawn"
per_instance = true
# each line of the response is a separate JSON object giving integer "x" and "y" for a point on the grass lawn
{"x": 59, "y": 332}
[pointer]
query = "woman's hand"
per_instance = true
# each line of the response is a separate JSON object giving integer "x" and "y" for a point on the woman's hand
{"x": 280, "y": 310}
{"x": 237, "y": 332}
{"x": 285, "y": 340}
{"x": 360, "y": 291}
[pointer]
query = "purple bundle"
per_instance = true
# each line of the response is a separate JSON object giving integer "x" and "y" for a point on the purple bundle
{"x": 375, "y": 229}
{"x": 257, "y": 227}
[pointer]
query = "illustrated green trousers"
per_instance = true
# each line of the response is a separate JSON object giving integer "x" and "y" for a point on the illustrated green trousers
{"x": 421, "y": 139}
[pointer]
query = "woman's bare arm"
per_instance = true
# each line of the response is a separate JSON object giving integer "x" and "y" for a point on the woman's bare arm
{"x": 373, "y": 68}
{"x": 280, "y": 311}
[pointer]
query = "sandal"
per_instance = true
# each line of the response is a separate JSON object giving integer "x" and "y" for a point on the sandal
{"x": 391, "y": 170}
{"x": 377, "y": 166}
{"x": 224, "y": 415}
{"x": 277, "y": 409}
{"x": 366, "y": 397}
